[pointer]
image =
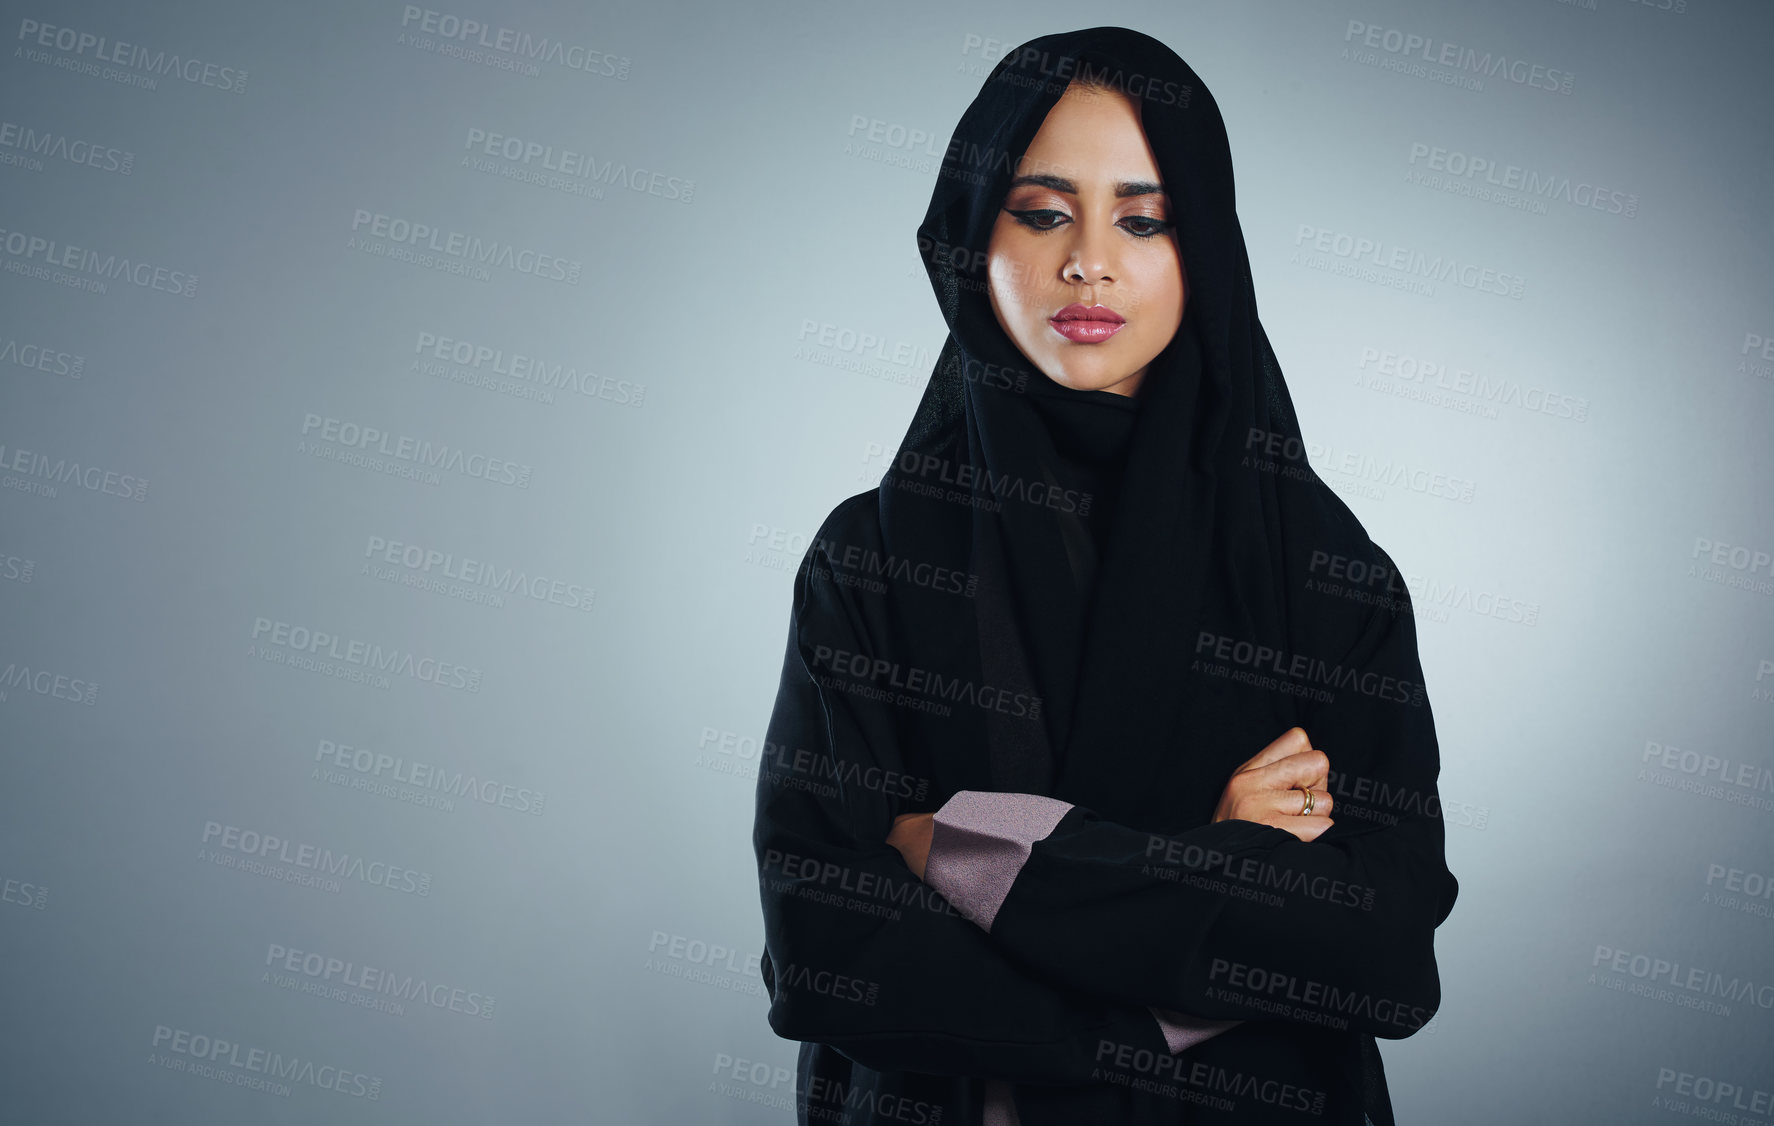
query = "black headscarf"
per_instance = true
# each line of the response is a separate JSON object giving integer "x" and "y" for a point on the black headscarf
{"x": 1196, "y": 538}
{"x": 1076, "y": 448}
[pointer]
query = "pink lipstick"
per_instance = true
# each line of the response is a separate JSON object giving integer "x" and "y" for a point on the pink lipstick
{"x": 1087, "y": 324}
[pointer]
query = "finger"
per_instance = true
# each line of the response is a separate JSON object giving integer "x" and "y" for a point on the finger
{"x": 1289, "y": 742}
{"x": 1286, "y": 803}
{"x": 1322, "y": 782}
{"x": 1290, "y": 803}
{"x": 1309, "y": 767}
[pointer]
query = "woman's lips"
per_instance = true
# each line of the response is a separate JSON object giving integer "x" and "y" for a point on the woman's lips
{"x": 1087, "y": 324}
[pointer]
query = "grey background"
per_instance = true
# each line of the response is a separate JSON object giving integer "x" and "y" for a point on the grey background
{"x": 1572, "y": 619}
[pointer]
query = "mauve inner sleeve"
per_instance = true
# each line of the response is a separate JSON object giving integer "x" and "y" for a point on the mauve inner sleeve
{"x": 979, "y": 841}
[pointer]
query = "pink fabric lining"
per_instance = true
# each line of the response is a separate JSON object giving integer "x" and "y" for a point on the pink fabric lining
{"x": 979, "y": 842}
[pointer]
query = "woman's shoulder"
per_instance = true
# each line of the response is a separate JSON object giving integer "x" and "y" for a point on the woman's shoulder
{"x": 1358, "y": 586}
{"x": 1336, "y": 530}
{"x": 829, "y": 584}
{"x": 853, "y": 523}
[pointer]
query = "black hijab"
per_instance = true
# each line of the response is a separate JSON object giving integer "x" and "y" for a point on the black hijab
{"x": 1194, "y": 536}
{"x": 1076, "y": 448}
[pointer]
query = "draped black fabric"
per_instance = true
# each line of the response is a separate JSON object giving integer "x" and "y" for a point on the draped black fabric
{"x": 1113, "y": 604}
{"x": 1076, "y": 450}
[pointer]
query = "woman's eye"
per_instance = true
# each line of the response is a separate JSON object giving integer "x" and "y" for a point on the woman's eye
{"x": 1144, "y": 226}
{"x": 1043, "y": 219}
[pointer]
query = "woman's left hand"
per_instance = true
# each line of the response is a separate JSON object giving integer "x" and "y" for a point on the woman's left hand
{"x": 911, "y": 836}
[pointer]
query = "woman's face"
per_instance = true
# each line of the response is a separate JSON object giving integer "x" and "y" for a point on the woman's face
{"x": 1085, "y": 273}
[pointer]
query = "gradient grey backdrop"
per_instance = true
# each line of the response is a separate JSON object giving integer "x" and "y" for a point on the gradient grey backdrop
{"x": 725, "y": 328}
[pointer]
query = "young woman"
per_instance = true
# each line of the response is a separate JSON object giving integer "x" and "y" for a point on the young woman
{"x": 1044, "y": 828}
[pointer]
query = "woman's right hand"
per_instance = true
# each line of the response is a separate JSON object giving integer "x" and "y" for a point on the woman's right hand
{"x": 1264, "y": 788}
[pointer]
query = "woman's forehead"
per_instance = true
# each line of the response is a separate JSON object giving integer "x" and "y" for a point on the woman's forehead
{"x": 1093, "y": 140}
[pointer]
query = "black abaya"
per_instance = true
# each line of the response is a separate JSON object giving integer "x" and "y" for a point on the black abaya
{"x": 1113, "y": 605}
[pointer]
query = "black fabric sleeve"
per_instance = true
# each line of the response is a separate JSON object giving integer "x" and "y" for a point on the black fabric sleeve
{"x": 1241, "y": 920}
{"x": 859, "y": 953}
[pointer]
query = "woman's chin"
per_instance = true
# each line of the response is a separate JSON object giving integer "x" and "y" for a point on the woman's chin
{"x": 1085, "y": 378}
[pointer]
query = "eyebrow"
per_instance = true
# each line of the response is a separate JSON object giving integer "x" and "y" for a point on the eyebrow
{"x": 1123, "y": 188}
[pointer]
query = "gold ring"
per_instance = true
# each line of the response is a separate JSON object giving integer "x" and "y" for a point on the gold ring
{"x": 1311, "y": 800}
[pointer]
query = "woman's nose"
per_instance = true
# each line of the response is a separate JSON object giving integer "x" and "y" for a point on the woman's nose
{"x": 1089, "y": 261}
